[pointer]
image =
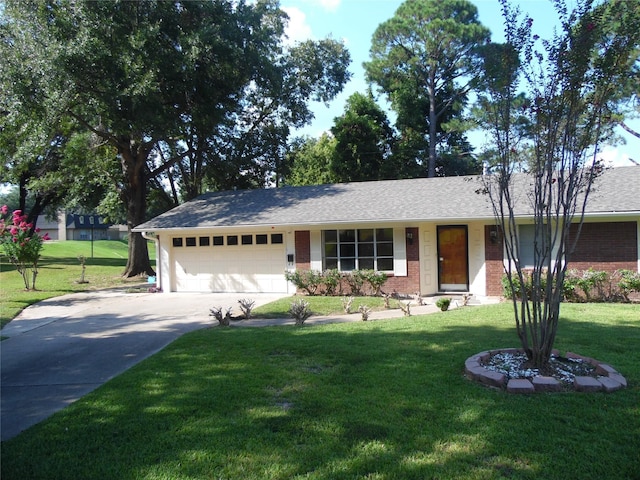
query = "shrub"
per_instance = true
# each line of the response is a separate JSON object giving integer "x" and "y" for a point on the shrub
{"x": 346, "y": 304}
{"x": 331, "y": 280}
{"x": 307, "y": 280}
{"x": 246, "y": 305}
{"x": 629, "y": 282}
{"x": 223, "y": 320}
{"x": 300, "y": 311}
{"x": 443, "y": 303}
{"x": 356, "y": 280}
{"x": 375, "y": 279}
{"x": 364, "y": 311}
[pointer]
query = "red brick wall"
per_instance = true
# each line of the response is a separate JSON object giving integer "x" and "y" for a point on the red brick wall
{"x": 605, "y": 246}
{"x": 411, "y": 283}
{"x": 303, "y": 249}
{"x": 494, "y": 266}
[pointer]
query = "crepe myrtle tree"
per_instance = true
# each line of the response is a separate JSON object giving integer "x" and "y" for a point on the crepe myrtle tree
{"x": 22, "y": 244}
{"x": 554, "y": 137}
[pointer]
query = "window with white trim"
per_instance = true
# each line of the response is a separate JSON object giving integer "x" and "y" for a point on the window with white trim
{"x": 358, "y": 249}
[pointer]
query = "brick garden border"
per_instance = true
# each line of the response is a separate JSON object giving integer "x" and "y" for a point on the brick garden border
{"x": 608, "y": 378}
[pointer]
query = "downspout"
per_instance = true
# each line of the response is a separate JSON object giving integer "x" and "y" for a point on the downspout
{"x": 156, "y": 240}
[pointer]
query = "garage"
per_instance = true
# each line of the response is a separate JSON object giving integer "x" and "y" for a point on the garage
{"x": 245, "y": 262}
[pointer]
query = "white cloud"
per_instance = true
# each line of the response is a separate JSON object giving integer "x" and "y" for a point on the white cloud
{"x": 613, "y": 157}
{"x": 297, "y": 29}
{"x": 330, "y": 5}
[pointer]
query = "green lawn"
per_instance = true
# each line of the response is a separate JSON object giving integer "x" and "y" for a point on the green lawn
{"x": 60, "y": 271}
{"x": 365, "y": 400}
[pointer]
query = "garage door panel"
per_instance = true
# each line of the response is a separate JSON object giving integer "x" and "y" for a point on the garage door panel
{"x": 245, "y": 268}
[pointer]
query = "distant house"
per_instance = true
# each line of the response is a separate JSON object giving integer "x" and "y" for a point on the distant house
{"x": 428, "y": 235}
{"x": 69, "y": 226}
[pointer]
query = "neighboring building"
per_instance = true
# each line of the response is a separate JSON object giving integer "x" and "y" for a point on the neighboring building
{"x": 78, "y": 227}
{"x": 430, "y": 235}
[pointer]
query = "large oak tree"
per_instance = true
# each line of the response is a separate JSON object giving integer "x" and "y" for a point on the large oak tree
{"x": 153, "y": 80}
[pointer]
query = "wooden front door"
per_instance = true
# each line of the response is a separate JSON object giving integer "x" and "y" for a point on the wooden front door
{"x": 453, "y": 265}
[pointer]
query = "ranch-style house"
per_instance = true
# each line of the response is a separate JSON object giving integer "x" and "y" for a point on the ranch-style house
{"x": 430, "y": 236}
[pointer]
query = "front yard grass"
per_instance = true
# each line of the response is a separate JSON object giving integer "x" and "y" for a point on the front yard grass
{"x": 364, "y": 400}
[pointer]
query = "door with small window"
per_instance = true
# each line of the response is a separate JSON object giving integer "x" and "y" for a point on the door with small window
{"x": 453, "y": 258}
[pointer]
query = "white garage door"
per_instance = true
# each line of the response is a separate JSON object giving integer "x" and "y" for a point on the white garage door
{"x": 229, "y": 263}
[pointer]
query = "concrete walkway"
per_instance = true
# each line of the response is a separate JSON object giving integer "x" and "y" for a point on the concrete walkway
{"x": 63, "y": 348}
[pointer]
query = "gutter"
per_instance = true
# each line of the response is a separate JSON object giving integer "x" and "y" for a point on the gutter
{"x": 146, "y": 236}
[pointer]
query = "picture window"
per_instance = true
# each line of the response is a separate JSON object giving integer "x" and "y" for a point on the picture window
{"x": 363, "y": 249}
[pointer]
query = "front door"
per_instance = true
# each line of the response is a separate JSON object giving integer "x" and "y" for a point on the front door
{"x": 453, "y": 265}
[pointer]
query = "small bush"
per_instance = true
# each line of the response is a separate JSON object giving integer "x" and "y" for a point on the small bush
{"x": 346, "y": 304}
{"x": 246, "y": 305}
{"x": 331, "y": 279}
{"x": 375, "y": 279}
{"x": 443, "y": 303}
{"x": 364, "y": 311}
{"x": 629, "y": 282}
{"x": 300, "y": 311}
{"x": 223, "y": 319}
{"x": 582, "y": 286}
{"x": 356, "y": 280}
{"x": 307, "y": 280}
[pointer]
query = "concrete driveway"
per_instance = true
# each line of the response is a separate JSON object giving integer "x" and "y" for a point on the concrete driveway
{"x": 63, "y": 348}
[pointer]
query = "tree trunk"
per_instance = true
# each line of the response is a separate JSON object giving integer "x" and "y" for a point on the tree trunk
{"x": 134, "y": 193}
{"x": 433, "y": 125}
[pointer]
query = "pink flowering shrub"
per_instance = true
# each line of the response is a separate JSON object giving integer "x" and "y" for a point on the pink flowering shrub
{"x": 21, "y": 244}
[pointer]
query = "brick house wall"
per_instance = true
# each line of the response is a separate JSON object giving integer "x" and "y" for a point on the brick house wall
{"x": 605, "y": 246}
{"x": 303, "y": 249}
{"x": 608, "y": 246}
{"x": 411, "y": 283}
{"x": 494, "y": 266}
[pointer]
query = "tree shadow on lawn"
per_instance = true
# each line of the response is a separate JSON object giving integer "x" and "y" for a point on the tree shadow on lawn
{"x": 384, "y": 398}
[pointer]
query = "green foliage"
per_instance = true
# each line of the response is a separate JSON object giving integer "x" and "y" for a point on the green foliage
{"x": 331, "y": 279}
{"x": 307, "y": 280}
{"x": 443, "y": 303}
{"x": 355, "y": 279}
{"x": 364, "y": 142}
{"x": 22, "y": 244}
{"x": 309, "y": 161}
{"x": 580, "y": 286}
{"x": 629, "y": 282}
{"x": 330, "y": 282}
{"x": 207, "y": 87}
{"x": 375, "y": 280}
{"x": 424, "y": 60}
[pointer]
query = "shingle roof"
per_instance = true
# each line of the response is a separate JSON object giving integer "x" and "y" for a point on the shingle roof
{"x": 413, "y": 200}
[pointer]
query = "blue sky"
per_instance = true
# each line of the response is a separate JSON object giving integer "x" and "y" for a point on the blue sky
{"x": 354, "y": 22}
